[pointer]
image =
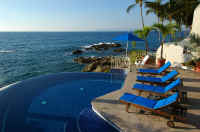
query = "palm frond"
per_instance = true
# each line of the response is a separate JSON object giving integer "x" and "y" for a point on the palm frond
{"x": 165, "y": 29}
{"x": 130, "y": 7}
{"x": 180, "y": 11}
{"x": 143, "y": 33}
{"x": 149, "y": 11}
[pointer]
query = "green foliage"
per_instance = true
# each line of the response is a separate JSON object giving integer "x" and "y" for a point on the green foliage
{"x": 143, "y": 33}
{"x": 194, "y": 38}
{"x": 137, "y": 2}
{"x": 133, "y": 44}
{"x": 180, "y": 11}
{"x": 165, "y": 29}
{"x": 155, "y": 8}
{"x": 130, "y": 7}
{"x": 192, "y": 63}
{"x": 134, "y": 54}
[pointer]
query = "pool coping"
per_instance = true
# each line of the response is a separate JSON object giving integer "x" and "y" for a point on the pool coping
{"x": 109, "y": 122}
{"x": 110, "y": 107}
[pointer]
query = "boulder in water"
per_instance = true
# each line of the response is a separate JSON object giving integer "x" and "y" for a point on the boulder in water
{"x": 95, "y": 64}
{"x": 76, "y": 52}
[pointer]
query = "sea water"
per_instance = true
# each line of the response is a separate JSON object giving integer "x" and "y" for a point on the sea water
{"x": 27, "y": 54}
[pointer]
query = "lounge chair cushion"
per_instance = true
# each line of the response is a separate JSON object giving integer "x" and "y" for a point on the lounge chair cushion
{"x": 165, "y": 102}
{"x": 164, "y": 67}
{"x": 155, "y": 71}
{"x": 157, "y": 79}
{"x": 150, "y": 88}
{"x": 172, "y": 85}
{"x": 148, "y": 71}
{"x": 149, "y": 79}
{"x": 131, "y": 98}
{"x": 148, "y": 103}
{"x": 169, "y": 76}
{"x": 157, "y": 89}
{"x": 128, "y": 97}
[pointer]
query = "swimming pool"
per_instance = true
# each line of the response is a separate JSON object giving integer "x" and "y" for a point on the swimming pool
{"x": 56, "y": 103}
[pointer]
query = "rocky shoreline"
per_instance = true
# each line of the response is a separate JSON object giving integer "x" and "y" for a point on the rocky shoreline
{"x": 97, "y": 64}
{"x": 94, "y": 64}
{"x": 100, "y": 47}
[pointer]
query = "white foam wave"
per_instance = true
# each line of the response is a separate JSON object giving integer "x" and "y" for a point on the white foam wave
{"x": 100, "y": 43}
{"x": 6, "y": 51}
{"x": 68, "y": 53}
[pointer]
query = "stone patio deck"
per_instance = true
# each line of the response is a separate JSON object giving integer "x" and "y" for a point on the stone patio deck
{"x": 110, "y": 107}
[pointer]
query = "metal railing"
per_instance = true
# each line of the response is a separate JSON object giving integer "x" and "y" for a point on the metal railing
{"x": 120, "y": 62}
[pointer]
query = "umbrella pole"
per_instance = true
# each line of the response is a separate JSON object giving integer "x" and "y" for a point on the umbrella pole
{"x": 127, "y": 49}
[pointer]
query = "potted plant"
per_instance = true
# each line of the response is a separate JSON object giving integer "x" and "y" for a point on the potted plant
{"x": 197, "y": 66}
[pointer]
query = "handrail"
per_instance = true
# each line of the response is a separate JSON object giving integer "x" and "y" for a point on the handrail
{"x": 120, "y": 62}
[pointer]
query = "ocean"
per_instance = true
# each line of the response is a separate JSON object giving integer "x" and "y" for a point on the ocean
{"x": 28, "y": 54}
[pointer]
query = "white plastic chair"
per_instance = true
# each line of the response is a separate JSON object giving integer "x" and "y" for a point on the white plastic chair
{"x": 143, "y": 62}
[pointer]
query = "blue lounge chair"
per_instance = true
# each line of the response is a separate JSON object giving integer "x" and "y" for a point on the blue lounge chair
{"x": 155, "y": 71}
{"x": 157, "y": 89}
{"x": 154, "y": 106}
{"x": 160, "y": 80}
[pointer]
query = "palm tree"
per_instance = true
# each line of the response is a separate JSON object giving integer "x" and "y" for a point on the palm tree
{"x": 165, "y": 30}
{"x": 156, "y": 8}
{"x": 140, "y": 2}
{"x": 180, "y": 11}
{"x": 143, "y": 33}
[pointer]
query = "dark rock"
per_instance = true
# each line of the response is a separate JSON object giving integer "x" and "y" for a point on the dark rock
{"x": 95, "y": 64}
{"x": 116, "y": 45}
{"x": 90, "y": 48}
{"x": 100, "y": 68}
{"x": 84, "y": 60}
{"x": 119, "y": 50}
{"x": 90, "y": 67}
{"x": 77, "y": 52}
{"x": 97, "y": 48}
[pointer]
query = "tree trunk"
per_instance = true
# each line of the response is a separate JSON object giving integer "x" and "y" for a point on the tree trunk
{"x": 161, "y": 53}
{"x": 146, "y": 46}
{"x": 141, "y": 13}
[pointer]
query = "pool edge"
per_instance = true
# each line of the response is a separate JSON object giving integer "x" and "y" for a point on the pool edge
{"x": 109, "y": 122}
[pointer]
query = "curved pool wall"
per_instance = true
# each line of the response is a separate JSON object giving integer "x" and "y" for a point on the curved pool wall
{"x": 91, "y": 121}
{"x": 16, "y": 99}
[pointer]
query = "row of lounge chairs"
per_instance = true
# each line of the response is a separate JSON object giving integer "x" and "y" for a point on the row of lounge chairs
{"x": 160, "y": 82}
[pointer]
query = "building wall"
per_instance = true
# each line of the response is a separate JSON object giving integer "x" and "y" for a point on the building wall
{"x": 173, "y": 53}
{"x": 196, "y": 22}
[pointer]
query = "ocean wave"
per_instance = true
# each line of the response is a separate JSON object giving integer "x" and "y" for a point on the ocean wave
{"x": 68, "y": 54}
{"x": 100, "y": 43}
{"x": 6, "y": 51}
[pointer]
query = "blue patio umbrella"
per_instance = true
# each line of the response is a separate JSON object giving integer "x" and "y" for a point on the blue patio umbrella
{"x": 128, "y": 37}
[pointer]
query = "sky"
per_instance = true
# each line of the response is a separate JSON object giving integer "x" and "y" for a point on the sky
{"x": 70, "y": 15}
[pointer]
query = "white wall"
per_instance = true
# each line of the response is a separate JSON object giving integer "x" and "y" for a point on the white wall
{"x": 196, "y": 22}
{"x": 173, "y": 53}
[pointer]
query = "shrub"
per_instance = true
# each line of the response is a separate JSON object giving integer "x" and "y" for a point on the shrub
{"x": 136, "y": 53}
{"x": 194, "y": 38}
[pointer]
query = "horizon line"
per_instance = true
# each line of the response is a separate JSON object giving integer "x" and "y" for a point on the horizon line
{"x": 72, "y": 31}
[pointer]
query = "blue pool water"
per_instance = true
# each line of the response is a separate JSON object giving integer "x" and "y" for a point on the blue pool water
{"x": 56, "y": 103}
